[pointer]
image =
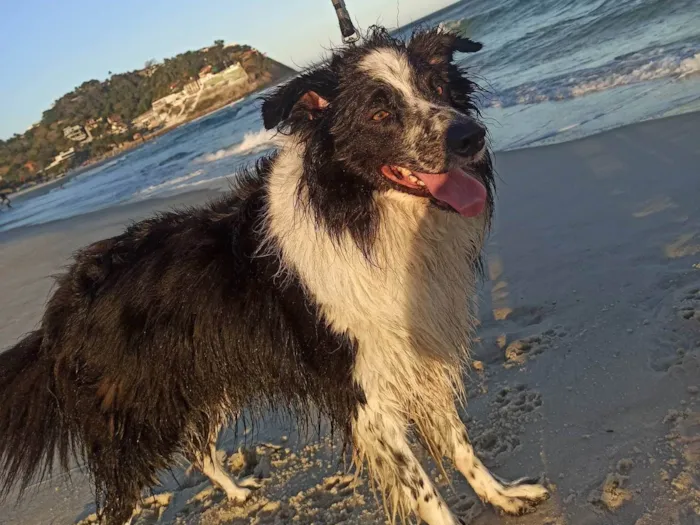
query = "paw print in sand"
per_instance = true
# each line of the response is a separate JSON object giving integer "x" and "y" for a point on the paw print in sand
{"x": 689, "y": 307}
{"x": 521, "y": 350}
{"x": 513, "y": 407}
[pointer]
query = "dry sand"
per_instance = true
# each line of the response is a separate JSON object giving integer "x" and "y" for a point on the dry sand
{"x": 589, "y": 352}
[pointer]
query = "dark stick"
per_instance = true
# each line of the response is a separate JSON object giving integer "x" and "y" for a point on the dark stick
{"x": 347, "y": 29}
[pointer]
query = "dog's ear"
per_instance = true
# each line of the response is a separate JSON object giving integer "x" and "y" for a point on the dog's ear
{"x": 466, "y": 45}
{"x": 310, "y": 92}
{"x": 438, "y": 47}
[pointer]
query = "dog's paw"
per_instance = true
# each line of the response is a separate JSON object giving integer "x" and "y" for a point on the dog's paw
{"x": 243, "y": 489}
{"x": 520, "y": 499}
{"x": 240, "y": 496}
{"x": 250, "y": 482}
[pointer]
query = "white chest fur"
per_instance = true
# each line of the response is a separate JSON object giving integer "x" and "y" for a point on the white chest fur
{"x": 411, "y": 308}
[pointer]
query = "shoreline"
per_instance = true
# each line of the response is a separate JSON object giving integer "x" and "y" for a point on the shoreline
{"x": 35, "y": 227}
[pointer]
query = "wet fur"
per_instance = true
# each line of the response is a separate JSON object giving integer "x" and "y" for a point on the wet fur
{"x": 313, "y": 286}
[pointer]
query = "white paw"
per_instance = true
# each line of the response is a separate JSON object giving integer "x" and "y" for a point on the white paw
{"x": 519, "y": 499}
{"x": 239, "y": 496}
{"x": 250, "y": 482}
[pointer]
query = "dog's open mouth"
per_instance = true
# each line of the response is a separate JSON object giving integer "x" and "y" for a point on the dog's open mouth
{"x": 460, "y": 191}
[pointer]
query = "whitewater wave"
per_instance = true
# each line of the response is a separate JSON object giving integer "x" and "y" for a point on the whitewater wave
{"x": 201, "y": 182}
{"x": 170, "y": 184}
{"x": 253, "y": 142}
{"x": 180, "y": 185}
{"x": 632, "y": 71}
{"x": 461, "y": 26}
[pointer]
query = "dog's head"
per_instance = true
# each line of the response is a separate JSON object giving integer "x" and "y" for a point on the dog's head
{"x": 392, "y": 115}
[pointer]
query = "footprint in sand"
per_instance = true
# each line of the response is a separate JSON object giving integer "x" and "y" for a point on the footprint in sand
{"x": 529, "y": 315}
{"x": 521, "y": 350}
{"x": 664, "y": 363}
{"x": 333, "y": 500}
{"x": 465, "y": 506}
{"x": 149, "y": 512}
{"x": 614, "y": 492}
{"x": 510, "y": 410}
{"x": 689, "y": 307}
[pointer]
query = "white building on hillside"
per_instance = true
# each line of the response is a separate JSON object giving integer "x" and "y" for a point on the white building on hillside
{"x": 148, "y": 120}
{"x": 75, "y": 133}
{"x": 61, "y": 157}
{"x": 232, "y": 75}
{"x": 162, "y": 104}
{"x": 192, "y": 88}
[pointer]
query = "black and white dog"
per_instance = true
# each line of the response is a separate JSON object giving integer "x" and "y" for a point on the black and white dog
{"x": 339, "y": 275}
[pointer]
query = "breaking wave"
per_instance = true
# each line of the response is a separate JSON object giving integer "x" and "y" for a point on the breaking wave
{"x": 253, "y": 142}
{"x": 170, "y": 184}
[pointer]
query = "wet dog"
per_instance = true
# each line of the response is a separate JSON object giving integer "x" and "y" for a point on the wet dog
{"x": 338, "y": 276}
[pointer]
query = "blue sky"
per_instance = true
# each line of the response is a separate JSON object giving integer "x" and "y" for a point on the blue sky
{"x": 48, "y": 47}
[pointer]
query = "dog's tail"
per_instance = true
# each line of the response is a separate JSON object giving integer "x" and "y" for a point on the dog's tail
{"x": 31, "y": 426}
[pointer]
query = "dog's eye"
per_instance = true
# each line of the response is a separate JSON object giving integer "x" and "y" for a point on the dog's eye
{"x": 380, "y": 115}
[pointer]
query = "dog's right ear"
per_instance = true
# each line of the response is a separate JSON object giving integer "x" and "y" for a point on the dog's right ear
{"x": 310, "y": 92}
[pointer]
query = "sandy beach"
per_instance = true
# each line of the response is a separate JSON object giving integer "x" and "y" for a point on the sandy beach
{"x": 587, "y": 369}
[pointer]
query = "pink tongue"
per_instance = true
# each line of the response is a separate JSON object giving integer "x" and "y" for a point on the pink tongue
{"x": 461, "y": 191}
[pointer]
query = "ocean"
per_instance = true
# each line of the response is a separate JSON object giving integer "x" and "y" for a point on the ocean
{"x": 552, "y": 71}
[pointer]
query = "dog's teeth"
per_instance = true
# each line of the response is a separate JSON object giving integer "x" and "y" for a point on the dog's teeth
{"x": 404, "y": 171}
{"x": 420, "y": 183}
{"x": 413, "y": 179}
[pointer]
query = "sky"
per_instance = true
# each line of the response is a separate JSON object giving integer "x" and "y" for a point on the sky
{"x": 48, "y": 47}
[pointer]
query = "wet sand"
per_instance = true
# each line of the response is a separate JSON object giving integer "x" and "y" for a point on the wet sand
{"x": 588, "y": 360}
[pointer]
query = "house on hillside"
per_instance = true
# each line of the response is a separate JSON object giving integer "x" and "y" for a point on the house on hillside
{"x": 205, "y": 71}
{"x": 91, "y": 123}
{"x": 193, "y": 87}
{"x": 75, "y": 133}
{"x": 61, "y": 157}
{"x": 232, "y": 75}
{"x": 148, "y": 120}
{"x": 116, "y": 125}
{"x": 162, "y": 104}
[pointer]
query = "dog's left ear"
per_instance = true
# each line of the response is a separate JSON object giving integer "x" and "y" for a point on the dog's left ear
{"x": 466, "y": 45}
{"x": 310, "y": 92}
{"x": 438, "y": 47}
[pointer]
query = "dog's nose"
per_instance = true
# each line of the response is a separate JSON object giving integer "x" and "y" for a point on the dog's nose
{"x": 465, "y": 138}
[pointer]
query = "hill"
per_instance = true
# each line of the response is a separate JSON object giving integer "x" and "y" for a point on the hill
{"x": 98, "y": 118}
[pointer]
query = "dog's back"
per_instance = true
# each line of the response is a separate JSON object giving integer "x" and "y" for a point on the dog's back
{"x": 154, "y": 338}
{"x": 126, "y": 360}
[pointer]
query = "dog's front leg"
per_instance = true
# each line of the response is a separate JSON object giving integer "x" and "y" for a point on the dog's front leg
{"x": 379, "y": 435}
{"x": 448, "y": 436}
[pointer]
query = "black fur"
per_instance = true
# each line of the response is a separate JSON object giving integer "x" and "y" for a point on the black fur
{"x": 155, "y": 336}
{"x": 149, "y": 332}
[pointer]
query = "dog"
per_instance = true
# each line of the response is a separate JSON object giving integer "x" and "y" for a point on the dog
{"x": 337, "y": 276}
